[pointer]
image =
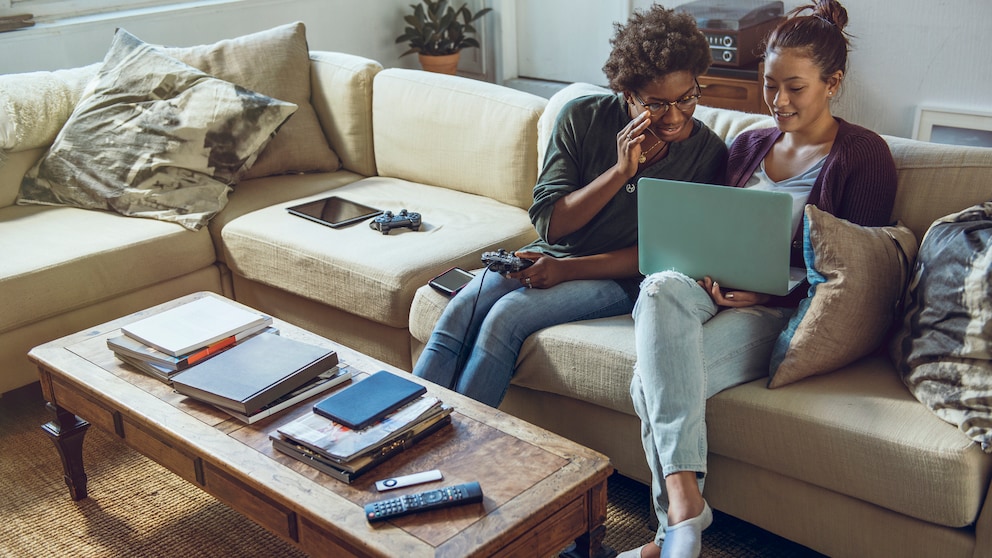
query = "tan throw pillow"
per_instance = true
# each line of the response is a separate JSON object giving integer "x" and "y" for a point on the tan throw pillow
{"x": 155, "y": 138}
{"x": 857, "y": 276}
{"x": 275, "y": 63}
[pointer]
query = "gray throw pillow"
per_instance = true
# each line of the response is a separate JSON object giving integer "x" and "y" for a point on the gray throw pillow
{"x": 154, "y": 137}
{"x": 944, "y": 349}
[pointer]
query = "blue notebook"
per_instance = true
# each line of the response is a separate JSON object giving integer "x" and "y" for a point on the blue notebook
{"x": 366, "y": 402}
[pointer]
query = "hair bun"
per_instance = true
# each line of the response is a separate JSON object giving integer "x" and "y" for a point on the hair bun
{"x": 830, "y": 11}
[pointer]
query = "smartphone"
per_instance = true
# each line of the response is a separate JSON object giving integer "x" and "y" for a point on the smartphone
{"x": 451, "y": 281}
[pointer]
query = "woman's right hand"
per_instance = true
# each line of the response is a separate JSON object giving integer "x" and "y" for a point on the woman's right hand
{"x": 629, "y": 140}
{"x": 731, "y": 299}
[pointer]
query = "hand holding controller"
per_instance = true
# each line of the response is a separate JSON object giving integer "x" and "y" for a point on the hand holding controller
{"x": 504, "y": 262}
{"x": 387, "y": 221}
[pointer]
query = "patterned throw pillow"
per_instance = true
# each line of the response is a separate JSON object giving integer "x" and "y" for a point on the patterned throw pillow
{"x": 154, "y": 137}
{"x": 944, "y": 349}
{"x": 856, "y": 276}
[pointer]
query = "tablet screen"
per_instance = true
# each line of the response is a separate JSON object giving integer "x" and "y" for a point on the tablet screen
{"x": 334, "y": 211}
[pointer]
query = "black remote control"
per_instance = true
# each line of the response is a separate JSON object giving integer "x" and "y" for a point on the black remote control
{"x": 382, "y": 510}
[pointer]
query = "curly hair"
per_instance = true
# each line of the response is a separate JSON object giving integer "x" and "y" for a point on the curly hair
{"x": 653, "y": 43}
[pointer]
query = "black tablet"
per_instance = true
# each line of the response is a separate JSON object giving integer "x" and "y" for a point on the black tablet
{"x": 334, "y": 211}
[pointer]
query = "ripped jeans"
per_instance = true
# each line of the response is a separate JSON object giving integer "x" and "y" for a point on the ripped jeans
{"x": 687, "y": 352}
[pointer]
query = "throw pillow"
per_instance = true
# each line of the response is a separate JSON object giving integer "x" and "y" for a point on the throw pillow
{"x": 856, "y": 276}
{"x": 944, "y": 349}
{"x": 154, "y": 137}
{"x": 275, "y": 62}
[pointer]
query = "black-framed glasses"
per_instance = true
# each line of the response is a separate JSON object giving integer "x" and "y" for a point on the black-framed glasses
{"x": 684, "y": 104}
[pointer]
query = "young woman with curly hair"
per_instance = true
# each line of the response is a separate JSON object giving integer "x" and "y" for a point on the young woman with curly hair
{"x": 585, "y": 212}
{"x": 694, "y": 339}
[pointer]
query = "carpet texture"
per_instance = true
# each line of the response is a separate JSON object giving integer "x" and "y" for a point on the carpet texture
{"x": 138, "y": 508}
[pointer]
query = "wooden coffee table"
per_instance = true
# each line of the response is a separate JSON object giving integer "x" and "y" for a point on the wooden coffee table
{"x": 542, "y": 491}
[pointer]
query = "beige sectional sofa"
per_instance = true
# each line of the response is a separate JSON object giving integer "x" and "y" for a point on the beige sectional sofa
{"x": 848, "y": 463}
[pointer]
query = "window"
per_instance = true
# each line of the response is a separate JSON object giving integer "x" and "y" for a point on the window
{"x": 48, "y": 10}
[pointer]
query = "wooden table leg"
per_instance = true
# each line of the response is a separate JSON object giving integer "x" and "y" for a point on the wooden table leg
{"x": 67, "y": 432}
{"x": 590, "y": 545}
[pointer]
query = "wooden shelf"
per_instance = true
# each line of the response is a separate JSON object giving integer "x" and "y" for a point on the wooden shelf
{"x": 735, "y": 89}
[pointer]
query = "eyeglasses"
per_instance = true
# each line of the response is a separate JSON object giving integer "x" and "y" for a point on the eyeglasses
{"x": 684, "y": 104}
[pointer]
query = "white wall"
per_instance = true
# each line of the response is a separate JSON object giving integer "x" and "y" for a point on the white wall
{"x": 907, "y": 52}
{"x": 354, "y": 26}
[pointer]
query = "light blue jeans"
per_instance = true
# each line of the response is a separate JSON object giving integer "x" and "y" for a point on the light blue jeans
{"x": 687, "y": 352}
{"x": 491, "y": 324}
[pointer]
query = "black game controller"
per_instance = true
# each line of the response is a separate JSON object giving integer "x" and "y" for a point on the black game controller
{"x": 502, "y": 261}
{"x": 387, "y": 221}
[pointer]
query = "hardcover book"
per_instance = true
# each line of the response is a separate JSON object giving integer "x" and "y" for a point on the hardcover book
{"x": 323, "y": 382}
{"x": 160, "y": 373}
{"x": 349, "y": 471}
{"x": 194, "y": 325}
{"x": 125, "y": 346}
{"x": 254, "y": 373}
{"x": 340, "y": 443}
{"x": 369, "y": 400}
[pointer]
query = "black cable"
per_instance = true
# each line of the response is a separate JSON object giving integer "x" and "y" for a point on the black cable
{"x": 459, "y": 362}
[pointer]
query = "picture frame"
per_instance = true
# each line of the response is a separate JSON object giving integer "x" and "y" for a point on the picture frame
{"x": 953, "y": 126}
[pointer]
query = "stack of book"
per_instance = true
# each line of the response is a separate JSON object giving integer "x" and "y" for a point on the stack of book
{"x": 220, "y": 353}
{"x": 386, "y": 414}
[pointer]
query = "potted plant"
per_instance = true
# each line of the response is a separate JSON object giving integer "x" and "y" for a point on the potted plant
{"x": 437, "y": 32}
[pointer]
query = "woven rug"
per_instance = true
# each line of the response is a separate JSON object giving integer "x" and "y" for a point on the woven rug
{"x": 138, "y": 508}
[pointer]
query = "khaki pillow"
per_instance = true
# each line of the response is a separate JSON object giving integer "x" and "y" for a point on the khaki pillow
{"x": 857, "y": 276}
{"x": 275, "y": 63}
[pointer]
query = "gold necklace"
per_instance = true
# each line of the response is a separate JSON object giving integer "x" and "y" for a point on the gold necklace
{"x": 644, "y": 155}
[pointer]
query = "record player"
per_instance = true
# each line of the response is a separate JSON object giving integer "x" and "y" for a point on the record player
{"x": 735, "y": 29}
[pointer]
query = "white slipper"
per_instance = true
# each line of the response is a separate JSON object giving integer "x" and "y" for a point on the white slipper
{"x": 685, "y": 538}
{"x": 636, "y": 553}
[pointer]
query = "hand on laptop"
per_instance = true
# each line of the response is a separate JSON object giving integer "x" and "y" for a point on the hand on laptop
{"x": 732, "y": 299}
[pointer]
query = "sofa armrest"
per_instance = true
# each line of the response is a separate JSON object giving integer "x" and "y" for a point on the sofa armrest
{"x": 341, "y": 94}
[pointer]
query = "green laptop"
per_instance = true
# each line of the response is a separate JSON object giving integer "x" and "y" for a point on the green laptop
{"x": 740, "y": 237}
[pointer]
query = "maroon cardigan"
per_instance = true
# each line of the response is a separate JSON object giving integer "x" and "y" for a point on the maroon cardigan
{"x": 857, "y": 181}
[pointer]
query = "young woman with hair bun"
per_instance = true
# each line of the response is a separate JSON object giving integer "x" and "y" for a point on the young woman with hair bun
{"x": 693, "y": 338}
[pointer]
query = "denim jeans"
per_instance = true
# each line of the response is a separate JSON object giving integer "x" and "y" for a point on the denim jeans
{"x": 687, "y": 352}
{"x": 491, "y": 324}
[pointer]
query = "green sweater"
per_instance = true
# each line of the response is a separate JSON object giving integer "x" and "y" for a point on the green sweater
{"x": 583, "y": 145}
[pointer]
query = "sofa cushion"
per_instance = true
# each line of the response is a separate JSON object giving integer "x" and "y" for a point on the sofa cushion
{"x": 936, "y": 180}
{"x": 276, "y": 63}
{"x": 856, "y": 276}
{"x": 857, "y": 431}
{"x": 944, "y": 349}
{"x": 589, "y": 360}
{"x": 58, "y": 259}
{"x": 154, "y": 138}
{"x": 362, "y": 271}
{"x": 466, "y": 135}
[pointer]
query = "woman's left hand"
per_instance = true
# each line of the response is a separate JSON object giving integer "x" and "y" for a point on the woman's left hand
{"x": 731, "y": 299}
{"x": 543, "y": 274}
